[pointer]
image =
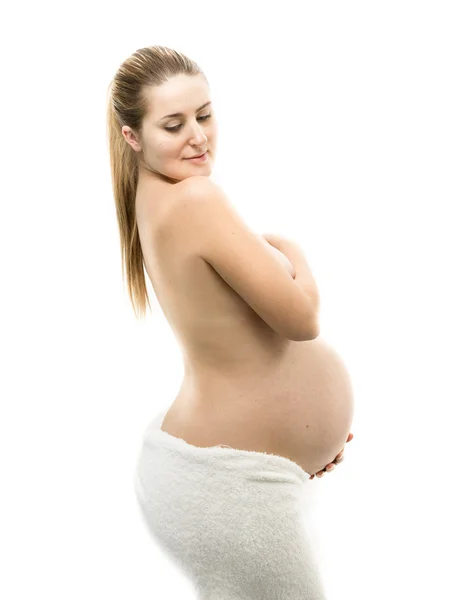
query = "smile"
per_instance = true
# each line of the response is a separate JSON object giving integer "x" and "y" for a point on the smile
{"x": 199, "y": 159}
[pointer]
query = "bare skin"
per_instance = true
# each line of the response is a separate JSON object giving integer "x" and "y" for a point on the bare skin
{"x": 330, "y": 467}
{"x": 340, "y": 457}
{"x": 244, "y": 385}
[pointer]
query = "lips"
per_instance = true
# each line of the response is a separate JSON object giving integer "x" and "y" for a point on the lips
{"x": 197, "y": 156}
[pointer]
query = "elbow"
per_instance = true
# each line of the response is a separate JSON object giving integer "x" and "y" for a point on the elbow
{"x": 309, "y": 319}
{"x": 310, "y": 328}
{"x": 314, "y": 333}
{"x": 308, "y": 334}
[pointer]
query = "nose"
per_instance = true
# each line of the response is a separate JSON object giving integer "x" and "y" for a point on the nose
{"x": 198, "y": 137}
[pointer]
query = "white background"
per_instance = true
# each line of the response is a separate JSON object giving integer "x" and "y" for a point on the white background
{"x": 343, "y": 104}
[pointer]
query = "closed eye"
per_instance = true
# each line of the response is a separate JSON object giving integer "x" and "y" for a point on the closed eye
{"x": 177, "y": 127}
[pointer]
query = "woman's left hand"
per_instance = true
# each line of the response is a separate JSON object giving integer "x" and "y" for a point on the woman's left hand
{"x": 330, "y": 467}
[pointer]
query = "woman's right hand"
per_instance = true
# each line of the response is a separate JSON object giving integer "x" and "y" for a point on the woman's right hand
{"x": 330, "y": 467}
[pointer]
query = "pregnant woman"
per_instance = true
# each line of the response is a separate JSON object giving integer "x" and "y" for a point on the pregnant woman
{"x": 265, "y": 403}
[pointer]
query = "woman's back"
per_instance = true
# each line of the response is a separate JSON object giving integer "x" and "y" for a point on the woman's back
{"x": 245, "y": 385}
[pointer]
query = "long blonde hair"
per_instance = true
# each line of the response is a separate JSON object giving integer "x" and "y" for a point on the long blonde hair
{"x": 128, "y": 105}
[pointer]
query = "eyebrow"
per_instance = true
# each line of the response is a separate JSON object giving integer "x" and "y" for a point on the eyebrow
{"x": 179, "y": 114}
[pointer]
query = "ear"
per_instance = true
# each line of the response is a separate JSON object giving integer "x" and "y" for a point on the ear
{"x": 131, "y": 138}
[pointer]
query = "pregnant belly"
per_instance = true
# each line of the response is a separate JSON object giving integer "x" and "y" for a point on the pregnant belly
{"x": 315, "y": 410}
{"x": 301, "y": 408}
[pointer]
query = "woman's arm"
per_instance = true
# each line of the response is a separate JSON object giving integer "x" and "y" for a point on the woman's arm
{"x": 302, "y": 273}
{"x": 281, "y": 258}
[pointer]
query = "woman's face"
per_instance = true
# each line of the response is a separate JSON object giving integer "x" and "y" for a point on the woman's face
{"x": 167, "y": 142}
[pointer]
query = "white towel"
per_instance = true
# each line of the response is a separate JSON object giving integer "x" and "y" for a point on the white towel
{"x": 233, "y": 521}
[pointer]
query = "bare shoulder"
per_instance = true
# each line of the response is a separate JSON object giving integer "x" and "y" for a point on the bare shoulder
{"x": 194, "y": 201}
{"x": 198, "y": 182}
{"x": 191, "y": 192}
{"x": 205, "y": 223}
